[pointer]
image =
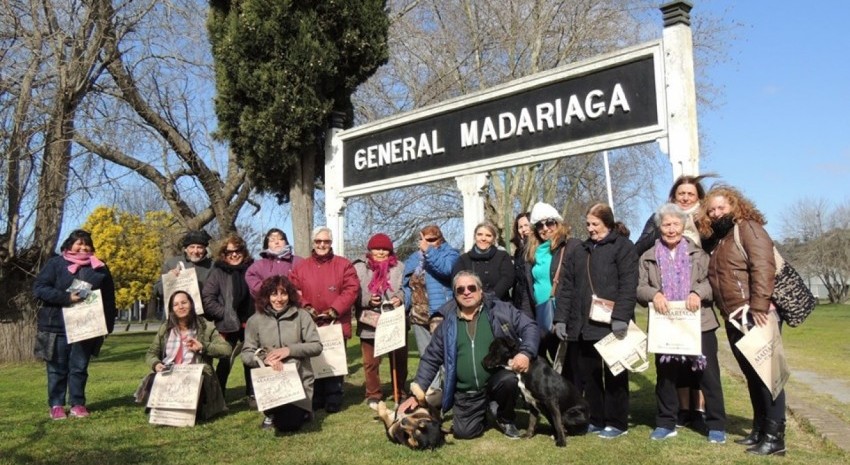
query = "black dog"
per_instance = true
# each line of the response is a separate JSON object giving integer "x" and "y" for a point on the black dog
{"x": 544, "y": 390}
{"x": 419, "y": 430}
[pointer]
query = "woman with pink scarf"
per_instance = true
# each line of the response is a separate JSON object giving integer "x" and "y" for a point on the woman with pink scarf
{"x": 63, "y": 281}
{"x": 380, "y": 285}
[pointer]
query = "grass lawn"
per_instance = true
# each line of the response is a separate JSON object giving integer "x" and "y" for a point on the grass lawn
{"x": 118, "y": 431}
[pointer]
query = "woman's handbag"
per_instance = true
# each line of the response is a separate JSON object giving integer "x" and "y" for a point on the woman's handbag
{"x": 600, "y": 309}
{"x": 544, "y": 312}
{"x": 794, "y": 301}
{"x": 369, "y": 317}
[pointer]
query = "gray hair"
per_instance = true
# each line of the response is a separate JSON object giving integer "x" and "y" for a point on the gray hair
{"x": 467, "y": 274}
{"x": 321, "y": 229}
{"x": 670, "y": 209}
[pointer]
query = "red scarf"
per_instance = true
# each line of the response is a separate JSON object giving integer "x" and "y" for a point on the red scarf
{"x": 80, "y": 259}
{"x": 380, "y": 282}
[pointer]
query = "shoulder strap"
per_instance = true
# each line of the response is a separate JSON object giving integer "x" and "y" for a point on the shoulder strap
{"x": 589, "y": 279}
{"x": 558, "y": 270}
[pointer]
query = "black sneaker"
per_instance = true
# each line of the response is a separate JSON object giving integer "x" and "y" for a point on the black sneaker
{"x": 508, "y": 429}
{"x": 252, "y": 402}
{"x": 267, "y": 423}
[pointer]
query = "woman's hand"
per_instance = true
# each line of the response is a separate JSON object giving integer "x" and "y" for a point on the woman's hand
{"x": 660, "y": 303}
{"x": 408, "y": 405}
{"x": 375, "y": 301}
{"x": 194, "y": 345}
{"x": 693, "y": 303}
{"x": 396, "y": 302}
{"x": 277, "y": 356}
{"x": 76, "y": 297}
{"x": 759, "y": 317}
{"x": 158, "y": 367}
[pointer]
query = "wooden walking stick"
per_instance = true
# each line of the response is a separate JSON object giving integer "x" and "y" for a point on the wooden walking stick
{"x": 394, "y": 373}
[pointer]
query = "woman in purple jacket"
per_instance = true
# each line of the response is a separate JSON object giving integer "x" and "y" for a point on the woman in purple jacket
{"x": 276, "y": 259}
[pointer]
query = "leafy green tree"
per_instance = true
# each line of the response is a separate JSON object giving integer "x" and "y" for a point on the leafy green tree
{"x": 281, "y": 68}
{"x": 132, "y": 248}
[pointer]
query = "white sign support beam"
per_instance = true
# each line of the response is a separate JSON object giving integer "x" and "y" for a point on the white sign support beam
{"x": 473, "y": 187}
{"x": 334, "y": 202}
{"x": 682, "y": 144}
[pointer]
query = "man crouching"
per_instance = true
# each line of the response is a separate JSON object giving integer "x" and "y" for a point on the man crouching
{"x": 460, "y": 343}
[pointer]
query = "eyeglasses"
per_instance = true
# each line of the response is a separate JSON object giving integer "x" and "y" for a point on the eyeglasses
{"x": 432, "y": 239}
{"x": 460, "y": 290}
{"x": 231, "y": 253}
{"x": 550, "y": 223}
{"x": 322, "y": 241}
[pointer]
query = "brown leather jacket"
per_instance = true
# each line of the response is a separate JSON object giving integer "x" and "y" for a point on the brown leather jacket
{"x": 736, "y": 281}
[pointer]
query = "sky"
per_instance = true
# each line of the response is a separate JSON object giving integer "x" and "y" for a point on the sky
{"x": 781, "y": 132}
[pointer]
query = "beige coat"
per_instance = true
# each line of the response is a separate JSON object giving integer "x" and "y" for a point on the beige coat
{"x": 649, "y": 281}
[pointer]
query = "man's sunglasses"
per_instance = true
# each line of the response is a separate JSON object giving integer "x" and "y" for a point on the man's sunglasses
{"x": 460, "y": 290}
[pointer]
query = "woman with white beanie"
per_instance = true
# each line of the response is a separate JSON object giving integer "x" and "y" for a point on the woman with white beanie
{"x": 548, "y": 248}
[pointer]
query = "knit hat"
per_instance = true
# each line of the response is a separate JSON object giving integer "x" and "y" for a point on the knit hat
{"x": 543, "y": 211}
{"x": 380, "y": 241}
{"x": 196, "y": 237}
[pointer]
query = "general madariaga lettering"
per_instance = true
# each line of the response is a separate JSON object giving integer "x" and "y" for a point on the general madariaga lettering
{"x": 544, "y": 116}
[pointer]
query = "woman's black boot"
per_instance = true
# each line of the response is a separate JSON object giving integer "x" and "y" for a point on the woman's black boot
{"x": 755, "y": 435}
{"x": 772, "y": 441}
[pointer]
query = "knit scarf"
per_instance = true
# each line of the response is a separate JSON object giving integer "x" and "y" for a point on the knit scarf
{"x": 482, "y": 255}
{"x": 284, "y": 254}
{"x": 323, "y": 258}
{"x": 380, "y": 282}
{"x": 80, "y": 259}
{"x": 675, "y": 269}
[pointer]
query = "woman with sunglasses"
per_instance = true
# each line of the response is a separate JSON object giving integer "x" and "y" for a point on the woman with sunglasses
{"x": 548, "y": 248}
{"x": 228, "y": 303}
{"x": 605, "y": 266}
{"x": 329, "y": 287}
{"x": 493, "y": 265}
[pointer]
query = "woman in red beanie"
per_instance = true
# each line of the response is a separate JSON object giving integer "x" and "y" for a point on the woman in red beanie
{"x": 380, "y": 278}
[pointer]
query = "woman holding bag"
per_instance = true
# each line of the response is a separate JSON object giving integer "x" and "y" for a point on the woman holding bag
{"x": 737, "y": 281}
{"x": 186, "y": 339}
{"x": 676, "y": 269}
{"x": 604, "y": 267}
{"x": 547, "y": 249}
{"x": 380, "y": 283}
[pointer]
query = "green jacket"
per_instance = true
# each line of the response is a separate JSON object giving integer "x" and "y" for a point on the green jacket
{"x": 214, "y": 347}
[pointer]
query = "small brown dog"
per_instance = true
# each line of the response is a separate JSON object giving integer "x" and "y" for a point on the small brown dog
{"x": 418, "y": 430}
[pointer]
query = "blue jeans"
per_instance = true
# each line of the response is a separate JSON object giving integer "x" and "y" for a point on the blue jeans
{"x": 69, "y": 371}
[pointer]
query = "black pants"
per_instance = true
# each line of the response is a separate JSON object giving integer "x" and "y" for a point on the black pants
{"x": 669, "y": 376}
{"x": 470, "y": 408}
{"x": 327, "y": 393}
{"x": 608, "y": 395}
{"x": 288, "y": 418}
{"x": 764, "y": 406}
{"x": 222, "y": 370}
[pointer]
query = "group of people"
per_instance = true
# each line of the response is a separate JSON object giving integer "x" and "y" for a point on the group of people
{"x": 553, "y": 291}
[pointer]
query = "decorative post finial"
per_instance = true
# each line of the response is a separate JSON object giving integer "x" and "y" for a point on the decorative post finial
{"x": 336, "y": 120}
{"x": 677, "y": 13}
